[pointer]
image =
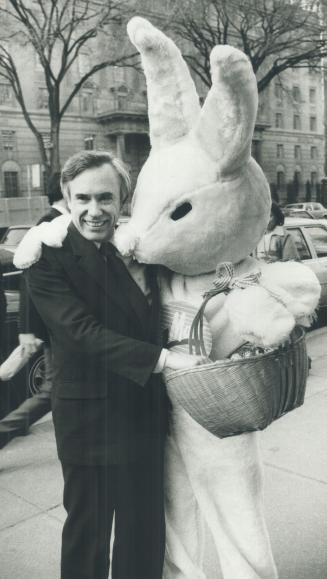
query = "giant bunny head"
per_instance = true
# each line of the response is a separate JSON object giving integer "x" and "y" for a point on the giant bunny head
{"x": 200, "y": 197}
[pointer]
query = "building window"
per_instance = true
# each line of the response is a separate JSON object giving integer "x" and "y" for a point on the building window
{"x": 297, "y": 152}
{"x": 256, "y": 150}
{"x": 89, "y": 143}
{"x": 6, "y": 95}
{"x": 312, "y": 96}
{"x": 279, "y": 121}
{"x": 261, "y": 109}
{"x": 296, "y": 122}
{"x": 36, "y": 176}
{"x": 313, "y": 152}
{"x": 118, "y": 74}
{"x": 11, "y": 183}
{"x": 313, "y": 178}
{"x": 280, "y": 178}
{"x": 279, "y": 91}
{"x": 42, "y": 98}
{"x": 87, "y": 101}
{"x": 280, "y": 151}
{"x": 313, "y": 123}
{"x": 8, "y": 139}
{"x": 296, "y": 94}
{"x": 297, "y": 179}
{"x": 83, "y": 63}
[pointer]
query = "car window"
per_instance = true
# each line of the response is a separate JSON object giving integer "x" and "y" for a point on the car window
{"x": 317, "y": 206}
{"x": 13, "y": 236}
{"x": 318, "y": 237}
{"x": 300, "y": 213}
{"x": 300, "y": 243}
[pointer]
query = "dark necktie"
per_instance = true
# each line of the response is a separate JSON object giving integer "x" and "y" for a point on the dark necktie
{"x": 126, "y": 283}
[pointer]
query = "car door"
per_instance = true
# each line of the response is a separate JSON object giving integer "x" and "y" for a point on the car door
{"x": 318, "y": 238}
{"x": 311, "y": 243}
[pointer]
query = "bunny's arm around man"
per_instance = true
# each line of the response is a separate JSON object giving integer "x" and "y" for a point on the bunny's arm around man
{"x": 107, "y": 404}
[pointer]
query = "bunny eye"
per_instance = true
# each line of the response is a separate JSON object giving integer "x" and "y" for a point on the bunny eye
{"x": 181, "y": 211}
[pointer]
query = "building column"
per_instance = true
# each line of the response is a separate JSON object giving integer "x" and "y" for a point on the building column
{"x": 120, "y": 147}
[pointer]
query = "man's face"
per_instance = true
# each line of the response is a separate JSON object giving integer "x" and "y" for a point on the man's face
{"x": 95, "y": 202}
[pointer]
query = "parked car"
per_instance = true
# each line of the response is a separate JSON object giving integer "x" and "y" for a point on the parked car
{"x": 12, "y": 236}
{"x": 8, "y": 243}
{"x": 28, "y": 381}
{"x": 305, "y": 213}
{"x": 317, "y": 209}
{"x": 310, "y": 238}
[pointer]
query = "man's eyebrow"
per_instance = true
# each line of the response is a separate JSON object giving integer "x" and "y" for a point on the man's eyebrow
{"x": 99, "y": 194}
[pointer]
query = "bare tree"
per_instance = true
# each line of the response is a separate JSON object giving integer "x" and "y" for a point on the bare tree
{"x": 59, "y": 31}
{"x": 275, "y": 34}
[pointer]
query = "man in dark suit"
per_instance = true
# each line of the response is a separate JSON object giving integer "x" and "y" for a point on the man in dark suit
{"x": 31, "y": 329}
{"x": 109, "y": 404}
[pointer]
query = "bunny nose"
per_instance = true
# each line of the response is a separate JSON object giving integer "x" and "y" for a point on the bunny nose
{"x": 126, "y": 240}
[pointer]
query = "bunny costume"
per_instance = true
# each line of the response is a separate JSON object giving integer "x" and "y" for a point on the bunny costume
{"x": 201, "y": 200}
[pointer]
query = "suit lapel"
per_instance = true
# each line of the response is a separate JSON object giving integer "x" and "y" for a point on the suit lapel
{"x": 136, "y": 297}
{"x": 119, "y": 290}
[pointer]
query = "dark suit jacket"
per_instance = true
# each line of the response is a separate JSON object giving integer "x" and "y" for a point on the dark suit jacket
{"x": 107, "y": 405}
{"x": 29, "y": 321}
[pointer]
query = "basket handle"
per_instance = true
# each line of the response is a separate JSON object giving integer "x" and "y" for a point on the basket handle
{"x": 224, "y": 282}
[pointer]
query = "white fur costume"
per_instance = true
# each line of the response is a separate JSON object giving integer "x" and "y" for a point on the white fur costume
{"x": 202, "y": 200}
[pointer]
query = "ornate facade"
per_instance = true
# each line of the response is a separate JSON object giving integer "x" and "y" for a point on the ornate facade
{"x": 111, "y": 112}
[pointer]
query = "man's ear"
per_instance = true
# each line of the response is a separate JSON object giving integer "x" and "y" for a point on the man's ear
{"x": 66, "y": 196}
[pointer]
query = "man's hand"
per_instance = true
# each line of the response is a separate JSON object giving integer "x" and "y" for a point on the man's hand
{"x": 177, "y": 361}
{"x": 30, "y": 343}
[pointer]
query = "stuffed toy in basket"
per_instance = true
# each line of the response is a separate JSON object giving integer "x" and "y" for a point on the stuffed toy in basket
{"x": 200, "y": 207}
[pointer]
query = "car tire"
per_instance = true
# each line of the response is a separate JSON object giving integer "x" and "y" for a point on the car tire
{"x": 36, "y": 374}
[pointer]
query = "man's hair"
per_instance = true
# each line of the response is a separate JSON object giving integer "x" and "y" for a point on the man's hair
{"x": 80, "y": 162}
{"x": 54, "y": 190}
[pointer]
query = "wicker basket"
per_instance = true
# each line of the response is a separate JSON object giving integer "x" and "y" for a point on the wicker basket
{"x": 231, "y": 397}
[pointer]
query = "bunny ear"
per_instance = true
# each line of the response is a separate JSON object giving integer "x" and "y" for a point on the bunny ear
{"x": 227, "y": 120}
{"x": 173, "y": 103}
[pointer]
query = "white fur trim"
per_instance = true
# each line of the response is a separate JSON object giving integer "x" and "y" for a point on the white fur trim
{"x": 50, "y": 233}
{"x": 258, "y": 317}
{"x": 125, "y": 239}
{"x": 297, "y": 284}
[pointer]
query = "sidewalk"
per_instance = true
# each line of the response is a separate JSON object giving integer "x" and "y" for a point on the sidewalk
{"x": 295, "y": 456}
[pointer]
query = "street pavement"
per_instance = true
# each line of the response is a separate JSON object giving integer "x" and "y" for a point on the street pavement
{"x": 295, "y": 458}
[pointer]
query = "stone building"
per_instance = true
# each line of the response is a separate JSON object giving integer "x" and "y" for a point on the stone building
{"x": 292, "y": 143}
{"x": 111, "y": 112}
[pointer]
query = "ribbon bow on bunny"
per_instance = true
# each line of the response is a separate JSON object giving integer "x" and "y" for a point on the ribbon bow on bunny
{"x": 226, "y": 279}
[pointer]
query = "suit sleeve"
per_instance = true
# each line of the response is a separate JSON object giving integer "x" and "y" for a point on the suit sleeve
{"x": 67, "y": 317}
{"x": 29, "y": 321}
